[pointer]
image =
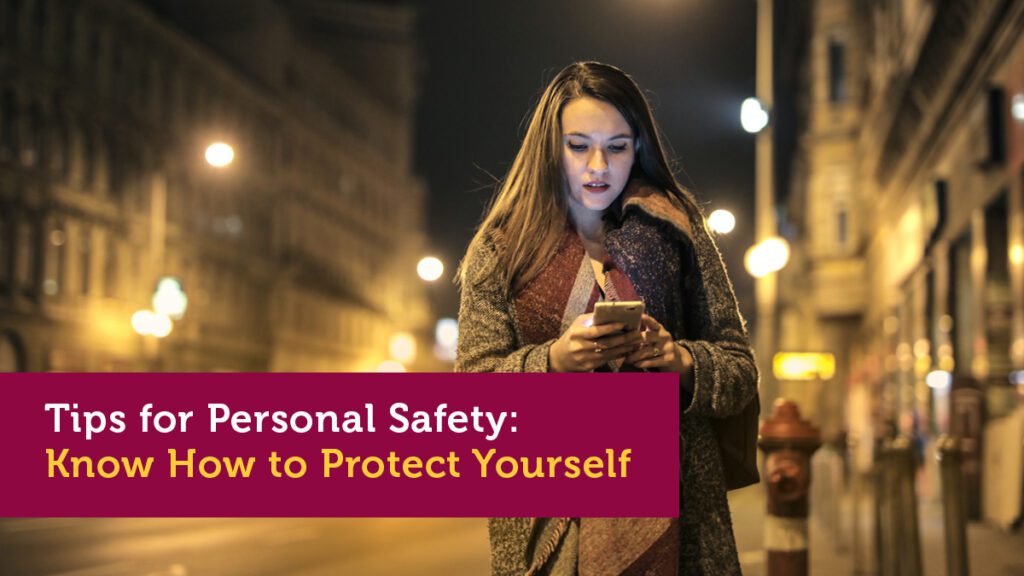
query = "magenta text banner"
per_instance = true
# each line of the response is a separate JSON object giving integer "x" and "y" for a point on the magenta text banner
{"x": 339, "y": 445}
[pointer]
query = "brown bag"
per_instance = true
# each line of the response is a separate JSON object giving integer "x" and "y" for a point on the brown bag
{"x": 737, "y": 441}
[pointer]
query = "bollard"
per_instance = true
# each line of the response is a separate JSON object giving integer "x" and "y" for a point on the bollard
{"x": 954, "y": 505}
{"x": 897, "y": 536}
{"x": 904, "y": 469}
{"x": 788, "y": 443}
{"x": 857, "y": 491}
{"x": 886, "y": 521}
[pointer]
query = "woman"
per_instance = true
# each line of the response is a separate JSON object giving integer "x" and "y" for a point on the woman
{"x": 590, "y": 210}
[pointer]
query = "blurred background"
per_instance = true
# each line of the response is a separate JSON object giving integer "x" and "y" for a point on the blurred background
{"x": 272, "y": 185}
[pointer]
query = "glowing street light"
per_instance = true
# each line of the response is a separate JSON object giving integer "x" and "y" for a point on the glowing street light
{"x": 402, "y": 347}
{"x": 430, "y": 268}
{"x": 753, "y": 115}
{"x": 162, "y": 325}
{"x": 446, "y": 331}
{"x": 769, "y": 255}
{"x": 722, "y": 221}
{"x": 219, "y": 154}
{"x": 149, "y": 323}
{"x": 169, "y": 299}
{"x": 142, "y": 322}
{"x": 939, "y": 380}
{"x": 446, "y": 338}
{"x": 1017, "y": 254}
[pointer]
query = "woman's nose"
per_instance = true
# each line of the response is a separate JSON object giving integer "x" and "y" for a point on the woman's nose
{"x": 597, "y": 162}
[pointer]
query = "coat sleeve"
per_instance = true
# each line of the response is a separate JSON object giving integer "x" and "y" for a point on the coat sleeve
{"x": 725, "y": 375}
{"x": 487, "y": 334}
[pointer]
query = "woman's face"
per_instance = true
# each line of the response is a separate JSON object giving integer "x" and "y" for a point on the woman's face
{"x": 597, "y": 152}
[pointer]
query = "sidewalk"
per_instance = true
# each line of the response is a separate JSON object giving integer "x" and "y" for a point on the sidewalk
{"x": 991, "y": 552}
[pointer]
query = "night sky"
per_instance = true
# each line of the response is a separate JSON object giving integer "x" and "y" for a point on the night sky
{"x": 483, "y": 65}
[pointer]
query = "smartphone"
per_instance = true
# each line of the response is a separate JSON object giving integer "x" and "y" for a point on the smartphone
{"x": 627, "y": 312}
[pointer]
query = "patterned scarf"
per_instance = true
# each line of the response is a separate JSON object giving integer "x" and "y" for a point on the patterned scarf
{"x": 645, "y": 262}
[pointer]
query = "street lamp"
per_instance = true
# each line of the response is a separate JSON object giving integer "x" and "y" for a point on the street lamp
{"x": 767, "y": 256}
{"x": 430, "y": 268}
{"x": 446, "y": 338}
{"x": 402, "y": 347}
{"x": 219, "y": 154}
{"x": 722, "y": 221}
{"x": 169, "y": 298}
{"x": 753, "y": 115}
{"x": 149, "y": 323}
{"x": 939, "y": 380}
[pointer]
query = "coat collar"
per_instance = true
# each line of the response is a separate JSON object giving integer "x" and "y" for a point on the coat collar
{"x": 645, "y": 197}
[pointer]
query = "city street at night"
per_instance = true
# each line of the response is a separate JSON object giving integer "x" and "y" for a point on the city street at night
{"x": 805, "y": 217}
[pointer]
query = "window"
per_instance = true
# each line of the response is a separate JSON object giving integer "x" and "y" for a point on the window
{"x": 837, "y": 87}
{"x": 101, "y": 172}
{"x": 40, "y": 18}
{"x": 110, "y": 287}
{"x": 995, "y": 123}
{"x": 25, "y": 247}
{"x": 14, "y": 9}
{"x": 117, "y": 70}
{"x": 8, "y": 131}
{"x": 84, "y": 259}
{"x": 115, "y": 168}
{"x": 36, "y": 154}
{"x": 59, "y": 150}
{"x": 998, "y": 296}
{"x": 191, "y": 98}
{"x": 841, "y": 227}
{"x": 69, "y": 41}
{"x": 166, "y": 94}
{"x": 88, "y": 159}
{"x": 145, "y": 88}
{"x": 134, "y": 189}
{"x": 56, "y": 262}
{"x": 961, "y": 299}
{"x": 95, "y": 51}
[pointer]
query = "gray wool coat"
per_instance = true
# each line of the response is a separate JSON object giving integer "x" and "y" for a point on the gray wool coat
{"x": 725, "y": 378}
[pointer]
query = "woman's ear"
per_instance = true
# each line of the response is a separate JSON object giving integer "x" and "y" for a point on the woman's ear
{"x": 636, "y": 145}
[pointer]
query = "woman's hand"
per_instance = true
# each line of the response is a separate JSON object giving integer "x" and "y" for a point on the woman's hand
{"x": 584, "y": 346}
{"x": 659, "y": 350}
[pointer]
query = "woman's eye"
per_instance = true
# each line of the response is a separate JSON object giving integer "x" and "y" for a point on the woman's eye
{"x": 577, "y": 147}
{"x": 618, "y": 148}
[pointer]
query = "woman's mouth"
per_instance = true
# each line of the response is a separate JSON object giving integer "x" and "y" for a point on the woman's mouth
{"x": 596, "y": 187}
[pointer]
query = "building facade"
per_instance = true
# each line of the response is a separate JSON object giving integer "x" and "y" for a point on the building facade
{"x": 300, "y": 255}
{"x": 907, "y": 205}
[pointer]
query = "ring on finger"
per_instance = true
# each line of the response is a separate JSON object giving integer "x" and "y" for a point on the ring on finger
{"x": 597, "y": 348}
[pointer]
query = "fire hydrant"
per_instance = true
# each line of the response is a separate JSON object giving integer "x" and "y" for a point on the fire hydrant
{"x": 788, "y": 442}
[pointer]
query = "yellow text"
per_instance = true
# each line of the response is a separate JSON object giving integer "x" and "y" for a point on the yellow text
{"x": 88, "y": 467}
{"x": 394, "y": 465}
{"x": 210, "y": 466}
{"x": 611, "y": 465}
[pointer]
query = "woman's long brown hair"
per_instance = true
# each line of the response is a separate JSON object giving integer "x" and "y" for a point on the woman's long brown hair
{"x": 528, "y": 215}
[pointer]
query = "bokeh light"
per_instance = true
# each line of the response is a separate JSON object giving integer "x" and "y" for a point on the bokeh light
{"x": 220, "y": 154}
{"x": 430, "y": 268}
